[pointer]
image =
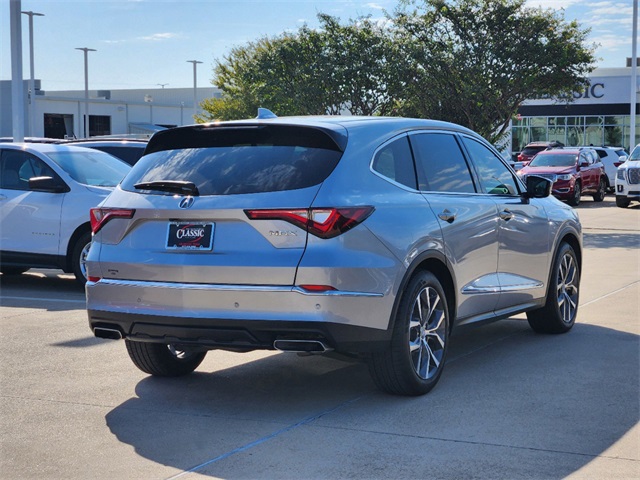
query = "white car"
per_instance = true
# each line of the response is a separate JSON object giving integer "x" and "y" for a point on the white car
{"x": 628, "y": 180}
{"x": 46, "y": 192}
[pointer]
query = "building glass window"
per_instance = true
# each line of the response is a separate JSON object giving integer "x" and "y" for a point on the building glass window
{"x": 99, "y": 125}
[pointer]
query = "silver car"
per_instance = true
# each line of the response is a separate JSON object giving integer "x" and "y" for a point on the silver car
{"x": 367, "y": 236}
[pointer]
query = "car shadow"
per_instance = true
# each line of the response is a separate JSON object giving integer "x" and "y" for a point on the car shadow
{"x": 611, "y": 240}
{"x": 52, "y": 290}
{"x": 566, "y": 398}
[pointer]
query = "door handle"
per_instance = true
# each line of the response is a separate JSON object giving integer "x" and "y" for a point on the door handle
{"x": 447, "y": 215}
{"x": 506, "y": 215}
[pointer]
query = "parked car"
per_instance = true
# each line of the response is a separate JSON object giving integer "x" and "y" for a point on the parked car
{"x": 129, "y": 150}
{"x": 610, "y": 160}
{"x": 628, "y": 180}
{"x": 532, "y": 149}
{"x": 366, "y": 236}
{"x": 31, "y": 140}
{"x": 574, "y": 172}
{"x": 46, "y": 191}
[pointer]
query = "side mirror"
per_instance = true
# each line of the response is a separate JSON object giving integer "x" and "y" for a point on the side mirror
{"x": 538, "y": 187}
{"x": 47, "y": 184}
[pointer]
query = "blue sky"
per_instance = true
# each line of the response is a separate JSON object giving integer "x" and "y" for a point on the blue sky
{"x": 143, "y": 43}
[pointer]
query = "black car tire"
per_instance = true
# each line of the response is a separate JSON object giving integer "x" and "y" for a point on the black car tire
{"x": 602, "y": 191}
{"x": 415, "y": 358}
{"x": 163, "y": 360}
{"x": 78, "y": 256}
{"x": 622, "y": 202}
{"x": 561, "y": 307}
{"x": 577, "y": 193}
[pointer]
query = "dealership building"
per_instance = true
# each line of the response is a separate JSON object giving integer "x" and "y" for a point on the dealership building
{"x": 598, "y": 115}
{"x": 59, "y": 114}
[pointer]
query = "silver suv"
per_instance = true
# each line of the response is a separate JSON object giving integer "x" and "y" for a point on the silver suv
{"x": 371, "y": 237}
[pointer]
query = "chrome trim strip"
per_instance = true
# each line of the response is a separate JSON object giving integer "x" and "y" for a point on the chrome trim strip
{"x": 473, "y": 290}
{"x": 231, "y": 288}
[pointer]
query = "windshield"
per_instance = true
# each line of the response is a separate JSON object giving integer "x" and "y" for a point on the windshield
{"x": 94, "y": 168}
{"x": 554, "y": 160}
{"x": 635, "y": 155}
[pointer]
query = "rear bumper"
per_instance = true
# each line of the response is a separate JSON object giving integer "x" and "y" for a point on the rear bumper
{"x": 239, "y": 317}
{"x": 238, "y": 335}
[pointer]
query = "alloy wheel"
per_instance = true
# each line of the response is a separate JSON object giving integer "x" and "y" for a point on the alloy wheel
{"x": 427, "y": 333}
{"x": 567, "y": 288}
{"x": 83, "y": 259}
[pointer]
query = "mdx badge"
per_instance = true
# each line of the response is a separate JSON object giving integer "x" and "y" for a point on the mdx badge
{"x": 186, "y": 202}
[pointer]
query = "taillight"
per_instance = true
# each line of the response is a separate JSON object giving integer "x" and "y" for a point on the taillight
{"x": 321, "y": 222}
{"x": 617, "y": 164}
{"x": 100, "y": 216}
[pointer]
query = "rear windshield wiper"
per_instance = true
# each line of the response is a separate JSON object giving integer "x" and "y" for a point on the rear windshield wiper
{"x": 173, "y": 186}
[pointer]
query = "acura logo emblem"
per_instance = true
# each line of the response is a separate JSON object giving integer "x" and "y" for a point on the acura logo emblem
{"x": 186, "y": 202}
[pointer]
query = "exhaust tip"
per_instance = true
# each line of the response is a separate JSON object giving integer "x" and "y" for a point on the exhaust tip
{"x": 301, "y": 346}
{"x": 110, "y": 333}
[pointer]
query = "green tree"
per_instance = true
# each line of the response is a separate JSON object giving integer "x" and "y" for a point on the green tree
{"x": 474, "y": 62}
{"x": 330, "y": 70}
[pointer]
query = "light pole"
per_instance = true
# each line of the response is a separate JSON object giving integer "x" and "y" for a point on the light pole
{"x": 32, "y": 87}
{"x": 195, "y": 88}
{"x": 634, "y": 77}
{"x": 17, "y": 87}
{"x": 85, "y": 120}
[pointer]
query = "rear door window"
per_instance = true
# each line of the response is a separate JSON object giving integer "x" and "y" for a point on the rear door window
{"x": 441, "y": 165}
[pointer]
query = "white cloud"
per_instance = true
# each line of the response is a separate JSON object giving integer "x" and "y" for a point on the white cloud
{"x": 159, "y": 36}
{"x": 611, "y": 41}
{"x": 374, "y": 6}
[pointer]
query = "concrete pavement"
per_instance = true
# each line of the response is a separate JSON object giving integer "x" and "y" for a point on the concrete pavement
{"x": 511, "y": 403}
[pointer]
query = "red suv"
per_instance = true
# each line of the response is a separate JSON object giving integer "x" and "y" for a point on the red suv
{"x": 575, "y": 171}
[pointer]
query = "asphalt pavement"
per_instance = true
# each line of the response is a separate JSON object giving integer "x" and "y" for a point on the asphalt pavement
{"x": 511, "y": 403}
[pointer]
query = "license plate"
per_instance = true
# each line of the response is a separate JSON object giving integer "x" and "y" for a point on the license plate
{"x": 190, "y": 236}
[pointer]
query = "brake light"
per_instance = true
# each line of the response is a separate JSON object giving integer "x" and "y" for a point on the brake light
{"x": 100, "y": 216}
{"x": 617, "y": 164}
{"x": 321, "y": 222}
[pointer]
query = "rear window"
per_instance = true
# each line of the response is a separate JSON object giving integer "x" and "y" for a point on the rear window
{"x": 532, "y": 150}
{"x": 129, "y": 154}
{"x": 228, "y": 161}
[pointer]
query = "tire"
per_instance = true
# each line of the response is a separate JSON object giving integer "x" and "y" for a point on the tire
{"x": 602, "y": 191}
{"x": 561, "y": 307}
{"x": 163, "y": 360}
{"x": 414, "y": 360}
{"x": 577, "y": 193}
{"x": 79, "y": 256}
{"x": 12, "y": 270}
{"x": 622, "y": 202}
